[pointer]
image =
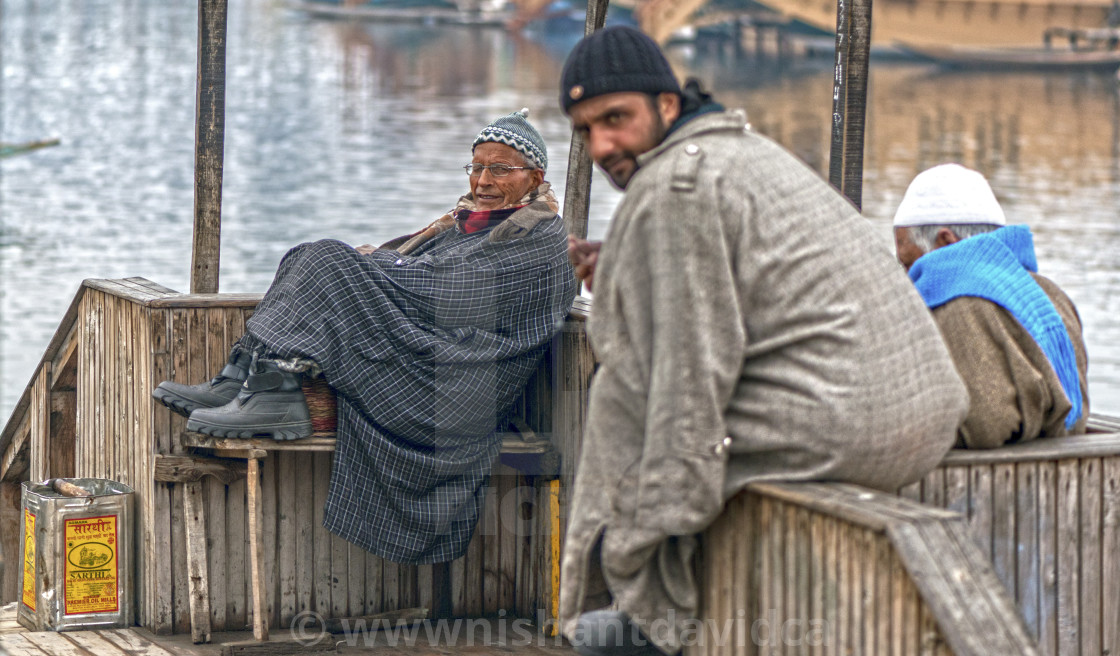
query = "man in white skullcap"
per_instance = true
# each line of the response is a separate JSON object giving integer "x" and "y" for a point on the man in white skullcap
{"x": 1015, "y": 337}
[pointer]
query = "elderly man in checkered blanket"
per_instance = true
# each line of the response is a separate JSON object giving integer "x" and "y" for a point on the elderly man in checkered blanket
{"x": 427, "y": 340}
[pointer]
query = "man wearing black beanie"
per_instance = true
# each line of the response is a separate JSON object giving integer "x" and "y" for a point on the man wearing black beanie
{"x": 749, "y": 325}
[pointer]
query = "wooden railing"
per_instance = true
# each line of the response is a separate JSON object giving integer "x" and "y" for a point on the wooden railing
{"x": 817, "y": 568}
{"x": 1047, "y": 515}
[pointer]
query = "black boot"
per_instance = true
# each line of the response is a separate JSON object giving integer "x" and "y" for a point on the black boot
{"x": 214, "y": 393}
{"x": 270, "y": 404}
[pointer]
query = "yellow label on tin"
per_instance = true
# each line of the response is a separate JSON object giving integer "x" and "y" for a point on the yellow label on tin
{"x": 28, "y": 559}
{"x": 90, "y": 577}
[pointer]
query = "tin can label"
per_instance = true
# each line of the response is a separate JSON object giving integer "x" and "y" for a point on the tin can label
{"x": 90, "y": 576}
{"x": 28, "y": 559}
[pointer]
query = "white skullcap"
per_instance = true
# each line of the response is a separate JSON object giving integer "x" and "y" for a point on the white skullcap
{"x": 949, "y": 194}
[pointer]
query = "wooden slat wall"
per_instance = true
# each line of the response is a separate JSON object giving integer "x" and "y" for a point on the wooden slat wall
{"x": 132, "y": 334}
{"x": 835, "y": 569}
{"x": 121, "y": 337}
{"x": 1047, "y": 515}
{"x": 114, "y": 413}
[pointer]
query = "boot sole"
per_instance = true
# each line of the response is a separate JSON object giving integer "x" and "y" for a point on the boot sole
{"x": 176, "y": 403}
{"x": 280, "y": 432}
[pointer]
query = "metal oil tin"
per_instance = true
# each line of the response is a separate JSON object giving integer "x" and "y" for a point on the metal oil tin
{"x": 77, "y": 555}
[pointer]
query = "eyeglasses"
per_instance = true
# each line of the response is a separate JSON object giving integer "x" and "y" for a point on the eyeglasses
{"x": 496, "y": 170}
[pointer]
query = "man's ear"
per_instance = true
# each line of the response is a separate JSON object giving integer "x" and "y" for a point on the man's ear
{"x": 669, "y": 106}
{"x": 945, "y": 237}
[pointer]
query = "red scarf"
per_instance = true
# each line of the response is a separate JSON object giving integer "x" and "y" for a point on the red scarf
{"x": 469, "y": 221}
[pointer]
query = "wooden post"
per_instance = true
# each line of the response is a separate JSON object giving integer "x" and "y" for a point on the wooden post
{"x": 63, "y": 432}
{"x": 209, "y": 137}
{"x": 199, "y": 586}
{"x": 256, "y": 548}
{"x": 849, "y": 97}
{"x": 11, "y": 553}
{"x": 577, "y": 191}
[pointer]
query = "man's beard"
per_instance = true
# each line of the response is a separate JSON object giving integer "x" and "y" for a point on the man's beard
{"x": 653, "y": 139}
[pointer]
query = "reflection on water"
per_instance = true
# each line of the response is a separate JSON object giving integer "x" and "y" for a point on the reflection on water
{"x": 357, "y": 132}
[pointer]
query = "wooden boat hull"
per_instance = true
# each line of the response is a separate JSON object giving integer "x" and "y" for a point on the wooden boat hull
{"x": 1017, "y": 58}
{"x": 426, "y": 15}
{"x": 956, "y": 22}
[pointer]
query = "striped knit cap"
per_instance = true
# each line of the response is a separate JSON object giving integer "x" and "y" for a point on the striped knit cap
{"x": 515, "y": 131}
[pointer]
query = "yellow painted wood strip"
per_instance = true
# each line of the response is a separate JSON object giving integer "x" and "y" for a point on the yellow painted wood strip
{"x": 554, "y": 578}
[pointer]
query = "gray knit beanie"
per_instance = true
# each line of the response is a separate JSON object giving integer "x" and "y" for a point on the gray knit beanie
{"x": 516, "y": 132}
{"x": 614, "y": 59}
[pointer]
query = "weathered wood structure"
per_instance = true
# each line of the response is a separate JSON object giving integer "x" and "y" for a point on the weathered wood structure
{"x": 839, "y": 569}
{"x": 880, "y": 570}
{"x": 1035, "y": 524}
{"x": 1047, "y": 515}
{"x": 88, "y": 412}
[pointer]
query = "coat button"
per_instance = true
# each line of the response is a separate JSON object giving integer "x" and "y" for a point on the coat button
{"x": 691, "y": 149}
{"x": 399, "y": 262}
{"x": 724, "y": 445}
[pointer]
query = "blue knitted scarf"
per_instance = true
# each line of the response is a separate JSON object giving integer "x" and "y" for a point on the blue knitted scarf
{"x": 994, "y": 266}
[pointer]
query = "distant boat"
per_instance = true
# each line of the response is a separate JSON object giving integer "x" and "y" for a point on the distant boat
{"x": 465, "y": 12}
{"x": 1038, "y": 58}
{"x": 957, "y": 22}
{"x": 7, "y": 150}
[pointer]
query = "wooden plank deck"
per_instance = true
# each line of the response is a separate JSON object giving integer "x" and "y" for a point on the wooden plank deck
{"x": 478, "y": 636}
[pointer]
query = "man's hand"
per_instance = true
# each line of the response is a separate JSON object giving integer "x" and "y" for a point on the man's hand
{"x": 584, "y": 255}
{"x": 365, "y": 249}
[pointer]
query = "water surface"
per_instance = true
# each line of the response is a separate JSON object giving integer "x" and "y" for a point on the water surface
{"x": 359, "y": 132}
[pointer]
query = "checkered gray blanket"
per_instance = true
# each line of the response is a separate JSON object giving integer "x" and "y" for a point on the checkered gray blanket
{"x": 427, "y": 352}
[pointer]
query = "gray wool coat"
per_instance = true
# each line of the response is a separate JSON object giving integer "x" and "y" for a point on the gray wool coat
{"x": 750, "y": 326}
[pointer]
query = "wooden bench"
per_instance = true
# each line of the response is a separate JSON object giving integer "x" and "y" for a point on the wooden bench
{"x": 522, "y": 449}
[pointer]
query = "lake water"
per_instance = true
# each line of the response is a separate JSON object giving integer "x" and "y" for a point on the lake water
{"x": 358, "y": 132}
